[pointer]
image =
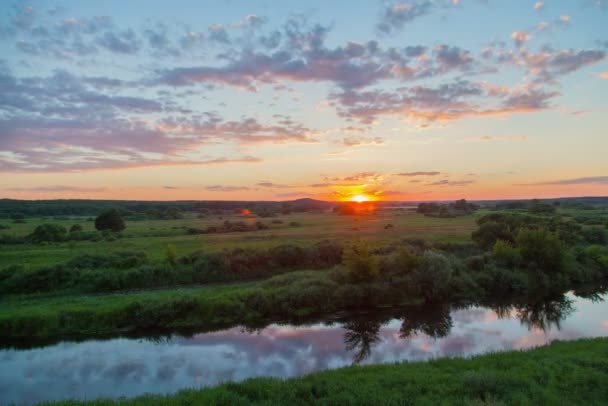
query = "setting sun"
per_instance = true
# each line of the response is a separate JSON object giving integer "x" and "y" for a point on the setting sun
{"x": 359, "y": 198}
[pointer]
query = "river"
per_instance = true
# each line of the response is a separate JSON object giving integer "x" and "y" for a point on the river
{"x": 133, "y": 366}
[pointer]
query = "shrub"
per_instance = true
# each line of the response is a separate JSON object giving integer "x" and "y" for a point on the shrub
{"x": 406, "y": 261}
{"x": 542, "y": 248}
{"x": 288, "y": 256}
{"x": 76, "y": 228}
{"x": 505, "y": 253}
{"x": 595, "y": 235}
{"x": 433, "y": 276}
{"x": 119, "y": 259}
{"x": 171, "y": 254}
{"x": 359, "y": 263}
{"x": 110, "y": 220}
{"x": 48, "y": 233}
{"x": 598, "y": 254}
{"x": 325, "y": 253}
{"x": 489, "y": 232}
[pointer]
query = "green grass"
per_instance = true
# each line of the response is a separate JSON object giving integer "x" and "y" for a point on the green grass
{"x": 563, "y": 373}
{"x": 90, "y": 315}
{"x": 152, "y": 236}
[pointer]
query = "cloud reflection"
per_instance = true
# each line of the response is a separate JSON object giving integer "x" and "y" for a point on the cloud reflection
{"x": 127, "y": 367}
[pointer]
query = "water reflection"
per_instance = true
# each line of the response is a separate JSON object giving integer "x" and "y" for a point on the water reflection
{"x": 434, "y": 321}
{"x": 359, "y": 337}
{"x": 129, "y": 367}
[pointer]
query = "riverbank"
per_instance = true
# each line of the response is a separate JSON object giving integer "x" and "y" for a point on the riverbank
{"x": 561, "y": 373}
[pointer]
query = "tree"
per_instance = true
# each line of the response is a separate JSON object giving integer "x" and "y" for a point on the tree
{"x": 542, "y": 248}
{"x": 76, "y": 228}
{"x": 433, "y": 277}
{"x": 110, "y": 220}
{"x": 489, "y": 232}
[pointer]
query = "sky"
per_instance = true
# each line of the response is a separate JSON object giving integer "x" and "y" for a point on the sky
{"x": 279, "y": 100}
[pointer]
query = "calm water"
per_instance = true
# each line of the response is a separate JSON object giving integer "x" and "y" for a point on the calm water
{"x": 130, "y": 367}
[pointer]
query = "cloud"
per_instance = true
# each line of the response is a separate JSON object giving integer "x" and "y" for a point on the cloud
{"x": 217, "y": 33}
{"x": 292, "y": 194}
{"x": 488, "y": 138}
{"x": 66, "y": 123}
{"x": 273, "y": 185}
{"x": 333, "y": 184}
{"x": 221, "y": 188}
{"x": 452, "y": 57}
{"x": 396, "y": 16}
{"x": 547, "y": 65}
{"x": 447, "y": 182}
{"x": 598, "y": 180}
{"x": 539, "y": 5}
{"x": 355, "y": 141}
{"x": 449, "y": 101}
{"x": 603, "y": 75}
{"x": 359, "y": 177}
{"x": 419, "y": 173}
{"x": 520, "y": 37}
{"x": 125, "y": 42}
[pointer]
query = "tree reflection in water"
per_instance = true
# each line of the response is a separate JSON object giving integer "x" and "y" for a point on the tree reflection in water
{"x": 540, "y": 312}
{"x": 360, "y": 336}
{"x": 546, "y": 313}
{"x": 434, "y": 321}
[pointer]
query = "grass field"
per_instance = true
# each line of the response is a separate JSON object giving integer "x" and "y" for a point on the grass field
{"x": 563, "y": 373}
{"x": 152, "y": 236}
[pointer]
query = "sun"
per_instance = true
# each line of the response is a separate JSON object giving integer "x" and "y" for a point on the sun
{"x": 359, "y": 198}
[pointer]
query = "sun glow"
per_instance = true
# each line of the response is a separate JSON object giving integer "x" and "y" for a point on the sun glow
{"x": 359, "y": 198}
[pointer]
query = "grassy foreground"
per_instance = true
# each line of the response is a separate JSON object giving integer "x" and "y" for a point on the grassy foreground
{"x": 561, "y": 373}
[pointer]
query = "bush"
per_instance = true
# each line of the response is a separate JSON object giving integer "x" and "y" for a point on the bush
{"x": 288, "y": 256}
{"x": 171, "y": 254}
{"x": 432, "y": 278}
{"x": 48, "y": 233}
{"x": 76, "y": 228}
{"x": 542, "y": 248}
{"x": 489, "y": 232}
{"x": 110, "y": 220}
{"x": 359, "y": 263}
{"x": 505, "y": 253}
{"x": 595, "y": 235}
{"x": 406, "y": 261}
{"x": 119, "y": 259}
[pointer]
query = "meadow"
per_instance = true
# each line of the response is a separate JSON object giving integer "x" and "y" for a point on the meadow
{"x": 153, "y": 236}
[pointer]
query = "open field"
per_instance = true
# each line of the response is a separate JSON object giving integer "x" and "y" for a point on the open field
{"x": 152, "y": 236}
{"x": 561, "y": 373}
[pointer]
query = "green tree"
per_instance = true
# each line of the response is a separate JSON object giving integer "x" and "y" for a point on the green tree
{"x": 360, "y": 264}
{"x": 110, "y": 220}
{"x": 506, "y": 253}
{"x": 76, "y": 228}
{"x": 433, "y": 277}
{"x": 489, "y": 232}
{"x": 542, "y": 248}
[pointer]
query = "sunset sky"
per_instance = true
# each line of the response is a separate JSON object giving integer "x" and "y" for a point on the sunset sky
{"x": 277, "y": 100}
